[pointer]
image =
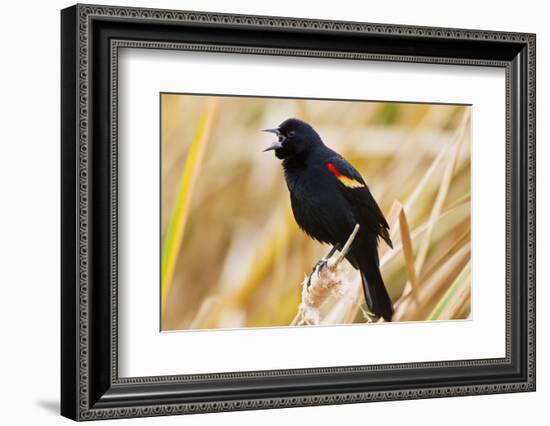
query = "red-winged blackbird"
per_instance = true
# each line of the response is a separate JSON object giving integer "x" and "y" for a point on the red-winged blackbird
{"x": 329, "y": 197}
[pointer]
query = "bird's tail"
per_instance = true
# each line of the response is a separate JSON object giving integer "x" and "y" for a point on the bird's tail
{"x": 376, "y": 295}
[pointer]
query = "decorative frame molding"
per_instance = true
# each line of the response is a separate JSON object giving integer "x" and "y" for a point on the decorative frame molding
{"x": 91, "y": 37}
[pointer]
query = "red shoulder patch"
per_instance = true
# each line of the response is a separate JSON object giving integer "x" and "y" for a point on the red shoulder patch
{"x": 346, "y": 181}
{"x": 333, "y": 169}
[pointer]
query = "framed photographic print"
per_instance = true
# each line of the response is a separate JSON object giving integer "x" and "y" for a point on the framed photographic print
{"x": 263, "y": 212}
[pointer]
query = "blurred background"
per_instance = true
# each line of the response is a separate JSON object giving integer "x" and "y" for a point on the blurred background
{"x": 232, "y": 254}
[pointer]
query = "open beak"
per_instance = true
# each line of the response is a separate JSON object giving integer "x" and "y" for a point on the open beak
{"x": 275, "y": 145}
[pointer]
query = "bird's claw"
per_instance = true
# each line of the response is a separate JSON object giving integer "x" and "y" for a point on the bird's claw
{"x": 319, "y": 266}
{"x": 316, "y": 269}
{"x": 308, "y": 283}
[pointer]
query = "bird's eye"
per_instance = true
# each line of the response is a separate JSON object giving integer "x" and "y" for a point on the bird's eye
{"x": 291, "y": 134}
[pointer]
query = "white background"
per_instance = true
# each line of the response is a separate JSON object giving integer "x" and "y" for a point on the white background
{"x": 29, "y": 223}
{"x": 146, "y": 352}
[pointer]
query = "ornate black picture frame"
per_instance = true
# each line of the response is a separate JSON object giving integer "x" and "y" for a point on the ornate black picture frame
{"x": 91, "y": 36}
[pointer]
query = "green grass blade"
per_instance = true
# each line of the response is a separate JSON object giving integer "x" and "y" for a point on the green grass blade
{"x": 174, "y": 233}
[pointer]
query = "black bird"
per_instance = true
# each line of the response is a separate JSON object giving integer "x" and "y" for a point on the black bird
{"x": 329, "y": 197}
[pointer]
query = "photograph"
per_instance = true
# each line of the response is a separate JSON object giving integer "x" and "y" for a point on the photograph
{"x": 282, "y": 212}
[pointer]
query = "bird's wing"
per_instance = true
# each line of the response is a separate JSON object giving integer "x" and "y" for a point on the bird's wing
{"x": 356, "y": 191}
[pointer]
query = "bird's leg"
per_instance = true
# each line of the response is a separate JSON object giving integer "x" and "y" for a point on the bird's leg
{"x": 331, "y": 252}
{"x": 323, "y": 262}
